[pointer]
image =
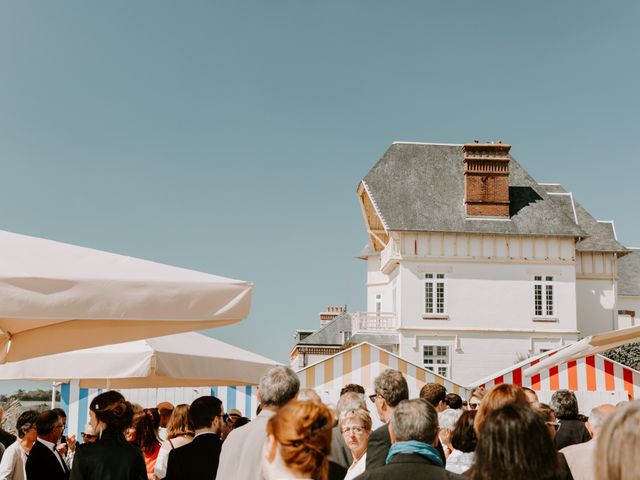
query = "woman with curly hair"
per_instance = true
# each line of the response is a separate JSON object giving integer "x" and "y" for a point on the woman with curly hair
{"x": 111, "y": 456}
{"x": 298, "y": 442}
{"x": 143, "y": 433}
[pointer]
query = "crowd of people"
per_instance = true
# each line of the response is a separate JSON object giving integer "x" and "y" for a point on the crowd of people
{"x": 503, "y": 433}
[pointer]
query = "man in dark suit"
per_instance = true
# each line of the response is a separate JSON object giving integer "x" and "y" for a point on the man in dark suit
{"x": 390, "y": 389}
{"x": 413, "y": 430}
{"x": 44, "y": 462}
{"x": 199, "y": 459}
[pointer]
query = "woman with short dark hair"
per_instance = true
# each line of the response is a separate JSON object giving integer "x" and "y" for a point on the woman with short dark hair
{"x": 514, "y": 444}
{"x": 111, "y": 456}
{"x": 15, "y": 456}
{"x": 463, "y": 441}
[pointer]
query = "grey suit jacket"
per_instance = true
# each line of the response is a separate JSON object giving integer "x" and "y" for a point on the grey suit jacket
{"x": 241, "y": 454}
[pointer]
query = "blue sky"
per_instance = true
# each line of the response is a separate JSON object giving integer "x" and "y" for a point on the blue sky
{"x": 229, "y": 137}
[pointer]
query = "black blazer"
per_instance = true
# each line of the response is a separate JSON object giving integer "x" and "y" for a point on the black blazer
{"x": 406, "y": 466}
{"x": 6, "y": 438}
{"x": 110, "y": 457}
{"x": 43, "y": 464}
{"x": 197, "y": 460}
{"x": 378, "y": 447}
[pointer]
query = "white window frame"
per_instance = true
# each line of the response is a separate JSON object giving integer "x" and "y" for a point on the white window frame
{"x": 437, "y": 282}
{"x": 544, "y": 304}
{"x": 435, "y": 367}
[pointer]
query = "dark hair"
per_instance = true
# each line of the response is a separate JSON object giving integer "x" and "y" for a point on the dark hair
{"x": 434, "y": 393}
{"x": 453, "y": 400}
{"x": 203, "y": 410}
{"x": 46, "y": 422}
{"x": 352, "y": 387}
{"x": 112, "y": 409}
{"x": 392, "y": 386}
{"x": 26, "y": 421}
{"x": 155, "y": 416}
{"x": 240, "y": 422}
{"x": 145, "y": 432}
{"x": 60, "y": 412}
{"x": 514, "y": 443}
{"x": 565, "y": 404}
{"x": 464, "y": 437}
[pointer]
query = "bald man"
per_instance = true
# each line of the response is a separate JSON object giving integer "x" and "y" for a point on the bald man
{"x": 580, "y": 457}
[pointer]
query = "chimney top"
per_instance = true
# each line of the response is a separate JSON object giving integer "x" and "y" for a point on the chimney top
{"x": 486, "y": 179}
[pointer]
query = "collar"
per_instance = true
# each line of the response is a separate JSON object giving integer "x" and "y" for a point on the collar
{"x": 205, "y": 433}
{"x": 50, "y": 445}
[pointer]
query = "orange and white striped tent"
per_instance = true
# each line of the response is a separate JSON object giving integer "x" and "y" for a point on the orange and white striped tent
{"x": 361, "y": 364}
{"x": 595, "y": 379}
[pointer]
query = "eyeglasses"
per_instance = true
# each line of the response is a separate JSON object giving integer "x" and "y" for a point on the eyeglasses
{"x": 88, "y": 436}
{"x": 356, "y": 429}
{"x": 555, "y": 425}
{"x": 473, "y": 405}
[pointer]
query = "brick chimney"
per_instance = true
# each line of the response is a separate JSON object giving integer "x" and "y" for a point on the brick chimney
{"x": 486, "y": 179}
{"x": 331, "y": 313}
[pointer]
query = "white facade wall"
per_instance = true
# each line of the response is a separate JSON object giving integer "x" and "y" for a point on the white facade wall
{"x": 597, "y": 303}
{"x": 489, "y": 321}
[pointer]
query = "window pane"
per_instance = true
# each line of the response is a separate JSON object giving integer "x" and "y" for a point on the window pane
{"x": 549, "y": 279}
{"x": 538, "y": 299}
{"x": 549, "y": 298}
{"x": 428, "y": 275}
{"x": 428, "y": 350}
{"x": 428, "y": 297}
{"x": 537, "y": 278}
{"x": 440, "y": 297}
{"x": 440, "y": 275}
{"x": 442, "y": 371}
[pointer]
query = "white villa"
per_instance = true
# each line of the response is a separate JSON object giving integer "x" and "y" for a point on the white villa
{"x": 473, "y": 266}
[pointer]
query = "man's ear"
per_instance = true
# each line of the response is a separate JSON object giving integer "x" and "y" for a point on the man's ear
{"x": 392, "y": 434}
{"x": 270, "y": 450}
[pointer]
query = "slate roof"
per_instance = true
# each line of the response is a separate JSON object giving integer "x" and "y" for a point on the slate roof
{"x": 601, "y": 236}
{"x": 331, "y": 333}
{"x": 629, "y": 273}
{"x": 420, "y": 187}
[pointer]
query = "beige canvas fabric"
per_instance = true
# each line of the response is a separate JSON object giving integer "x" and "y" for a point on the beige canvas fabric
{"x": 181, "y": 360}
{"x": 56, "y": 297}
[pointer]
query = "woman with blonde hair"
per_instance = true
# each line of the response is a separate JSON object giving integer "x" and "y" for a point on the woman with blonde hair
{"x": 355, "y": 426}
{"x": 618, "y": 444}
{"x": 298, "y": 442}
{"x": 179, "y": 433}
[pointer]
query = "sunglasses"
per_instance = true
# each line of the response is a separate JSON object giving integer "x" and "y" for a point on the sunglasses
{"x": 555, "y": 425}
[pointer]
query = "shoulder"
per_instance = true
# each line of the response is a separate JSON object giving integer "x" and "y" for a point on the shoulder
{"x": 381, "y": 432}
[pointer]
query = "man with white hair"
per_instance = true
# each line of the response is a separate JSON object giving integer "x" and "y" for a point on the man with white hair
{"x": 580, "y": 457}
{"x": 242, "y": 449}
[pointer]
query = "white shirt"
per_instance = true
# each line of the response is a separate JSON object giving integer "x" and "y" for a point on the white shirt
{"x": 357, "y": 468}
{"x": 13, "y": 461}
{"x": 163, "y": 454}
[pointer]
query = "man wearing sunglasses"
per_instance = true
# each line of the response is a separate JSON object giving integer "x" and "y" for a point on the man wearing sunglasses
{"x": 390, "y": 389}
{"x": 44, "y": 462}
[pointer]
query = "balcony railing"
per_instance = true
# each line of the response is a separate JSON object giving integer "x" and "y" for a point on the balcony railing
{"x": 371, "y": 322}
